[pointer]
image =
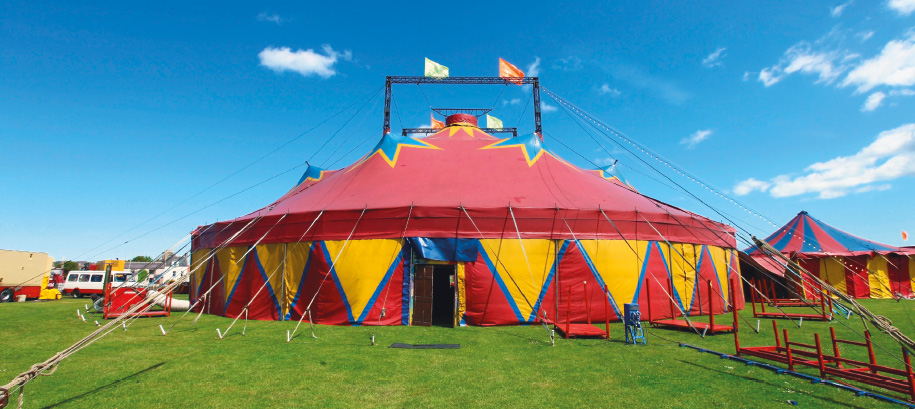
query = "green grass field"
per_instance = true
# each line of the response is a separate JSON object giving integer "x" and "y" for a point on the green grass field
{"x": 495, "y": 367}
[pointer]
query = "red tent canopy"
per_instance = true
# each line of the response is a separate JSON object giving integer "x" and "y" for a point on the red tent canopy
{"x": 464, "y": 183}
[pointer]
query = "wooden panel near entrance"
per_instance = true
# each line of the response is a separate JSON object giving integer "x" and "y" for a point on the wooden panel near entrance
{"x": 422, "y": 295}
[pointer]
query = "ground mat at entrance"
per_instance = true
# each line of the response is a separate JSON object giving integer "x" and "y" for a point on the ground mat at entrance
{"x": 426, "y": 346}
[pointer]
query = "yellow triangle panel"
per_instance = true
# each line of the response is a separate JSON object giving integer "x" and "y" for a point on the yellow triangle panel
{"x": 524, "y": 286}
{"x": 361, "y": 269}
{"x": 230, "y": 266}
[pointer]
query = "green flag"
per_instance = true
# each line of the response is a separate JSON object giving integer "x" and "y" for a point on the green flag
{"x": 493, "y": 122}
{"x": 435, "y": 70}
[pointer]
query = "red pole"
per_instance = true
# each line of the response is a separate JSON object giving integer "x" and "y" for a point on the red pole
{"x": 670, "y": 299}
{"x": 820, "y": 364}
{"x": 823, "y": 307}
{"x": 778, "y": 343}
{"x": 909, "y": 375}
{"x": 607, "y": 309}
{"x": 648, "y": 296}
{"x": 829, "y": 303}
{"x": 870, "y": 351}
{"x": 711, "y": 308}
{"x": 568, "y": 311}
{"x": 584, "y": 288}
{"x": 736, "y": 339}
{"x": 753, "y": 295}
{"x": 835, "y": 347}
{"x": 788, "y": 349}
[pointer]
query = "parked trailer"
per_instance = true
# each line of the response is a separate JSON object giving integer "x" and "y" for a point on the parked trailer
{"x": 92, "y": 282}
{"x": 22, "y": 273}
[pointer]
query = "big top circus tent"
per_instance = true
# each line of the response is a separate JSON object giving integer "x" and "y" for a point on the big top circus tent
{"x": 855, "y": 266}
{"x": 465, "y": 228}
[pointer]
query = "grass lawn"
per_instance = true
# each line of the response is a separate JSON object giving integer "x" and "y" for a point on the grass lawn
{"x": 495, "y": 367}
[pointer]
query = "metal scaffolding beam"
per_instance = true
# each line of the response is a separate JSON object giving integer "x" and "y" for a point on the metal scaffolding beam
{"x": 534, "y": 81}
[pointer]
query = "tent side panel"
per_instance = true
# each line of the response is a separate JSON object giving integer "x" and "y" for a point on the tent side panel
{"x": 832, "y": 271}
{"x": 878, "y": 277}
{"x": 856, "y": 279}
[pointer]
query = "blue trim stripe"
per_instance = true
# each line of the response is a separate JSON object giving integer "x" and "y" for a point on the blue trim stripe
{"x": 600, "y": 280}
{"x": 333, "y": 273}
{"x": 549, "y": 279}
{"x": 298, "y": 291}
{"x": 811, "y": 241}
{"x": 706, "y": 250}
{"x": 381, "y": 285}
{"x": 638, "y": 288}
{"x": 495, "y": 276}
{"x": 670, "y": 275}
{"x": 848, "y": 240}
{"x": 260, "y": 267}
{"x": 407, "y": 255}
{"x": 206, "y": 270}
{"x": 787, "y": 237}
{"x": 237, "y": 280}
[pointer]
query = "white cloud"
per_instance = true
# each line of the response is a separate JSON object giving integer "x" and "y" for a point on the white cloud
{"x": 903, "y": 7}
{"x": 547, "y": 107}
{"x": 570, "y": 63}
{"x": 749, "y": 185}
{"x": 873, "y": 101}
{"x": 271, "y": 17}
{"x": 714, "y": 59}
{"x": 802, "y": 58}
{"x": 696, "y": 138}
{"x": 605, "y": 89}
{"x": 533, "y": 70}
{"x": 864, "y": 36}
{"x": 513, "y": 101}
{"x": 305, "y": 62}
{"x": 837, "y": 10}
{"x": 890, "y": 156}
{"x": 894, "y": 66}
{"x": 874, "y": 188}
{"x": 876, "y": 99}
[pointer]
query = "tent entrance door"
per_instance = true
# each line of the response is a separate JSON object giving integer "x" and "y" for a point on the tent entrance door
{"x": 443, "y": 295}
{"x": 434, "y": 296}
{"x": 422, "y": 294}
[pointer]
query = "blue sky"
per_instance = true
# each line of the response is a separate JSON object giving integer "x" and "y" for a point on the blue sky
{"x": 116, "y": 120}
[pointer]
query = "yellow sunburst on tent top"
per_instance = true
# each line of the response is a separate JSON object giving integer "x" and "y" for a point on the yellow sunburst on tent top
{"x": 390, "y": 146}
{"x": 468, "y": 129}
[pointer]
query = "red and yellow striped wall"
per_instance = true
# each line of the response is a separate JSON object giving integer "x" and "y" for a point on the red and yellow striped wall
{"x": 875, "y": 276}
{"x": 511, "y": 282}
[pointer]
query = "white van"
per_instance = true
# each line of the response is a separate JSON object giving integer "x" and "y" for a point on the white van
{"x": 91, "y": 282}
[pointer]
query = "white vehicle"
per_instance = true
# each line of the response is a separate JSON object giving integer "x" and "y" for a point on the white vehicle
{"x": 91, "y": 282}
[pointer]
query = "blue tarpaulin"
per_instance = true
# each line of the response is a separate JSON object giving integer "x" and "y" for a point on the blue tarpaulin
{"x": 445, "y": 249}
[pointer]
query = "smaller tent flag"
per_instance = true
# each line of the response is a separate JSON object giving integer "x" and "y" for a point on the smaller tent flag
{"x": 507, "y": 70}
{"x": 435, "y": 70}
{"x": 905, "y": 236}
{"x": 493, "y": 122}
{"x": 436, "y": 124}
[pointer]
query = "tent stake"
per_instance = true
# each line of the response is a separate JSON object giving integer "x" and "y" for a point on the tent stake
{"x": 162, "y": 329}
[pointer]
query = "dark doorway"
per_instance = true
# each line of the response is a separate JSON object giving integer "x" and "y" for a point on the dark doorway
{"x": 422, "y": 295}
{"x": 434, "y": 295}
{"x": 443, "y": 296}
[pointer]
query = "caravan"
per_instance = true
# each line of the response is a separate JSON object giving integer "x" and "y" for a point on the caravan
{"x": 92, "y": 282}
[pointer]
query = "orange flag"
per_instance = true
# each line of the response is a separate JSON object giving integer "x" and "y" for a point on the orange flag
{"x": 436, "y": 124}
{"x": 905, "y": 236}
{"x": 506, "y": 70}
